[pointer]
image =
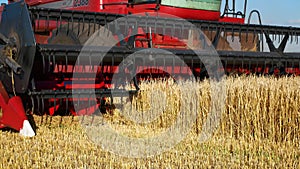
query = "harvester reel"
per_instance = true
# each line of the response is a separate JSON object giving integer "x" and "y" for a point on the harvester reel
{"x": 78, "y": 34}
{"x": 63, "y": 36}
{"x": 75, "y": 34}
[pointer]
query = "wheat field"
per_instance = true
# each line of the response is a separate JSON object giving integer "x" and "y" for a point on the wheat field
{"x": 259, "y": 127}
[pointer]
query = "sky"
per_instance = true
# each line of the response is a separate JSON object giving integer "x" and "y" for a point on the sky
{"x": 276, "y": 12}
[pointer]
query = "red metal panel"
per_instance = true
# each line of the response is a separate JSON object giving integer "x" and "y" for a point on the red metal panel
{"x": 185, "y": 13}
{"x": 232, "y": 20}
{"x": 39, "y": 2}
{"x": 13, "y": 113}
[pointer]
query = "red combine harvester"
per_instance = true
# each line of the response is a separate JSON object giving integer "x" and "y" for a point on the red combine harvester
{"x": 49, "y": 64}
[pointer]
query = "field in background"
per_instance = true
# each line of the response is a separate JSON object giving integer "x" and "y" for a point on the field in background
{"x": 259, "y": 128}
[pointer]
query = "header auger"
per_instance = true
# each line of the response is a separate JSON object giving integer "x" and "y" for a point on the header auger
{"x": 58, "y": 54}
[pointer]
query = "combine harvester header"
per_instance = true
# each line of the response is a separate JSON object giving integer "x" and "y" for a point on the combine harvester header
{"x": 42, "y": 72}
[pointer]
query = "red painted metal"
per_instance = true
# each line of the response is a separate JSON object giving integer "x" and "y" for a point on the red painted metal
{"x": 13, "y": 113}
{"x": 122, "y": 7}
{"x": 232, "y": 20}
{"x": 39, "y": 2}
{"x": 185, "y": 13}
{"x": 1, "y": 9}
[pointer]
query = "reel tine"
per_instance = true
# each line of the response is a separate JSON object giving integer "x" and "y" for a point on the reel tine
{"x": 54, "y": 111}
{"x": 89, "y": 107}
{"x": 232, "y": 34}
{"x": 42, "y": 109}
{"x": 44, "y": 62}
{"x": 83, "y": 23}
{"x": 60, "y": 21}
{"x": 247, "y": 33}
{"x": 38, "y": 22}
{"x": 32, "y": 104}
{"x": 72, "y": 22}
{"x": 240, "y": 34}
{"x": 67, "y": 111}
{"x": 173, "y": 66}
{"x": 60, "y": 120}
{"x": 68, "y": 26}
{"x": 66, "y": 62}
{"x": 38, "y": 104}
{"x": 292, "y": 38}
{"x": 249, "y": 67}
{"x": 47, "y": 114}
{"x": 47, "y": 27}
{"x": 95, "y": 23}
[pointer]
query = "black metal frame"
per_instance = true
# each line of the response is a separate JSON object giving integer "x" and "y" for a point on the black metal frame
{"x": 232, "y": 11}
{"x": 17, "y": 26}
